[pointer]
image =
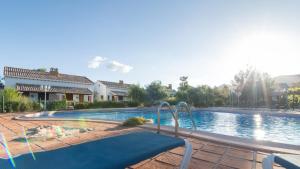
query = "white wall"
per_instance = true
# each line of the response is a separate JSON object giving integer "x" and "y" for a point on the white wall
{"x": 103, "y": 90}
{"x": 85, "y": 98}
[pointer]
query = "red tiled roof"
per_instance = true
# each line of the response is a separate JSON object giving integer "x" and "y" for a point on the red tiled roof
{"x": 39, "y": 75}
{"x": 53, "y": 89}
{"x": 115, "y": 84}
{"x": 119, "y": 93}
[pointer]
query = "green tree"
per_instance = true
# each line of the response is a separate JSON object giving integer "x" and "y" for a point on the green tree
{"x": 183, "y": 92}
{"x": 221, "y": 95}
{"x": 11, "y": 94}
{"x": 41, "y": 69}
{"x": 137, "y": 93}
{"x": 155, "y": 91}
{"x": 253, "y": 88}
{"x": 294, "y": 97}
{"x": 183, "y": 83}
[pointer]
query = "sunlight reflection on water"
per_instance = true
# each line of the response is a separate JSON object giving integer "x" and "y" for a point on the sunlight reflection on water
{"x": 254, "y": 126}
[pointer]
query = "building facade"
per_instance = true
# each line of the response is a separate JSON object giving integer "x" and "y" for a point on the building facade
{"x": 111, "y": 91}
{"x": 34, "y": 84}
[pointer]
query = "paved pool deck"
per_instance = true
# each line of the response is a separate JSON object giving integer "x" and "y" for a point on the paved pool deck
{"x": 206, "y": 155}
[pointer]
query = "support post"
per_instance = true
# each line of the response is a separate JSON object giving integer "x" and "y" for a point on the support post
{"x": 3, "y": 109}
{"x": 45, "y": 102}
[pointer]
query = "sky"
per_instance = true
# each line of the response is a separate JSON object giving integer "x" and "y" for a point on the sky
{"x": 140, "y": 41}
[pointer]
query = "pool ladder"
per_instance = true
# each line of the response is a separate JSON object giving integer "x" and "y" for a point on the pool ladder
{"x": 174, "y": 114}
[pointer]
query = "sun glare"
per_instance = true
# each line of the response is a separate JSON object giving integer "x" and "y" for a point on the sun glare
{"x": 272, "y": 52}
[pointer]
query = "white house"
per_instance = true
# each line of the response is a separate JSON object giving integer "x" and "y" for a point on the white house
{"x": 75, "y": 89}
{"x": 170, "y": 91}
{"x": 111, "y": 91}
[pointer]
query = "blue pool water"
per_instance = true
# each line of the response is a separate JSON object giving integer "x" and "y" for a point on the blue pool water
{"x": 254, "y": 126}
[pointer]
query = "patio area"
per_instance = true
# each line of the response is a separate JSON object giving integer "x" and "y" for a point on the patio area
{"x": 206, "y": 155}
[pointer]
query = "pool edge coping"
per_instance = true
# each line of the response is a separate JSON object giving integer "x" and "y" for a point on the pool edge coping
{"x": 265, "y": 111}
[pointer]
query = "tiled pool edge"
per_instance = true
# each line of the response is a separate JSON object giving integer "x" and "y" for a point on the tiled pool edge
{"x": 271, "y": 112}
{"x": 231, "y": 140}
{"x": 216, "y": 138}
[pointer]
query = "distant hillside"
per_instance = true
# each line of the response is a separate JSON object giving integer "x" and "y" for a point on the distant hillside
{"x": 290, "y": 80}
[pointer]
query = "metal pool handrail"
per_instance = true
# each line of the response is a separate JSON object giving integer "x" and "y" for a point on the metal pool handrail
{"x": 174, "y": 114}
{"x": 185, "y": 105}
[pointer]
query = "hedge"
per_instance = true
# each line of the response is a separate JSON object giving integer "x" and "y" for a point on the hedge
{"x": 56, "y": 105}
{"x": 14, "y": 106}
{"x": 105, "y": 104}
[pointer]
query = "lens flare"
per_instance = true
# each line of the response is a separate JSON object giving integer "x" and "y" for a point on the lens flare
{"x": 28, "y": 144}
{"x": 5, "y": 146}
{"x": 58, "y": 131}
{"x": 82, "y": 122}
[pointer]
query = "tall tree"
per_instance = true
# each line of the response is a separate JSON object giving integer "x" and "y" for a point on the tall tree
{"x": 182, "y": 92}
{"x": 137, "y": 93}
{"x": 253, "y": 88}
{"x": 183, "y": 82}
{"x": 156, "y": 91}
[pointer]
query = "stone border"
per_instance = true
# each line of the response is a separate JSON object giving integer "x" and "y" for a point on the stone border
{"x": 258, "y": 145}
{"x": 266, "y": 146}
{"x": 271, "y": 112}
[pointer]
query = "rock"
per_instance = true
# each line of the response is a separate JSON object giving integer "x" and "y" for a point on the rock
{"x": 50, "y": 132}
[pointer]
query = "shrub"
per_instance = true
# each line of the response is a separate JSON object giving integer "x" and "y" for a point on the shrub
{"x": 172, "y": 101}
{"x": 132, "y": 104}
{"x": 219, "y": 102}
{"x": 106, "y": 104}
{"x": 56, "y": 105}
{"x": 23, "y": 107}
{"x": 36, "y": 106}
{"x": 134, "y": 121}
{"x": 14, "y": 102}
{"x": 15, "y": 106}
{"x": 8, "y": 107}
{"x": 82, "y": 106}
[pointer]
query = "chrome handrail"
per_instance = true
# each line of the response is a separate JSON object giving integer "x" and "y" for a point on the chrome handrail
{"x": 184, "y": 104}
{"x": 174, "y": 114}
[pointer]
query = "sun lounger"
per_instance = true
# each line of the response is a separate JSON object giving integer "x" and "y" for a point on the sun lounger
{"x": 116, "y": 152}
{"x": 285, "y": 160}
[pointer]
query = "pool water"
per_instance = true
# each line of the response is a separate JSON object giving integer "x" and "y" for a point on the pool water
{"x": 254, "y": 126}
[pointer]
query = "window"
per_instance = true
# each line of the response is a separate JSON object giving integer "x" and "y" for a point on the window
{"x": 101, "y": 97}
{"x": 108, "y": 98}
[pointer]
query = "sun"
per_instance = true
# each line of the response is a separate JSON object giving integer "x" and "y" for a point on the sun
{"x": 271, "y": 52}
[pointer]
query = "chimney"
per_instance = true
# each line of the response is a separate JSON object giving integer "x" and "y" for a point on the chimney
{"x": 170, "y": 86}
{"x": 121, "y": 82}
{"x": 54, "y": 71}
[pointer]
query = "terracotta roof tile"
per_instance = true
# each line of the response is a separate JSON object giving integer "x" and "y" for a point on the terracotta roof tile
{"x": 115, "y": 84}
{"x": 119, "y": 93}
{"x": 34, "y": 74}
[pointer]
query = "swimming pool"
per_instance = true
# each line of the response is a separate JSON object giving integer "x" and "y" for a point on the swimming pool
{"x": 246, "y": 125}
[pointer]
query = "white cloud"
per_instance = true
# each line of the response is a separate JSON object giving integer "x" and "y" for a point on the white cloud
{"x": 119, "y": 67}
{"x": 95, "y": 63}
